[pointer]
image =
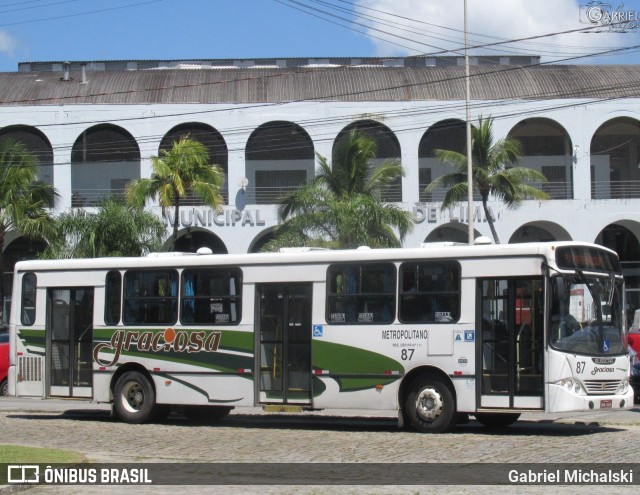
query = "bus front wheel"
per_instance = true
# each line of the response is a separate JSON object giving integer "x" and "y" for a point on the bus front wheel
{"x": 134, "y": 398}
{"x": 430, "y": 405}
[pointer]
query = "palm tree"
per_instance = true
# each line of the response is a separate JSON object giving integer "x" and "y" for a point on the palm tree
{"x": 181, "y": 170}
{"x": 24, "y": 201}
{"x": 494, "y": 173}
{"x": 115, "y": 230}
{"x": 342, "y": 207}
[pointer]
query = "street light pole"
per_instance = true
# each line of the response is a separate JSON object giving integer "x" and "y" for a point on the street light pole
{"x": 468, "y": 119}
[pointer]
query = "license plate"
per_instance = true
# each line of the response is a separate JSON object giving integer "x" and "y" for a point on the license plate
{"x": 605, "y": 404}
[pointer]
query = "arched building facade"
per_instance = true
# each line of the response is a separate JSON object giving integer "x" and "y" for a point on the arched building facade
{"x": 264, "y": 122}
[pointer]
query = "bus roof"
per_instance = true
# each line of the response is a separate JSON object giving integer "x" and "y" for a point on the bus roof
{"x": 302, "y": 256}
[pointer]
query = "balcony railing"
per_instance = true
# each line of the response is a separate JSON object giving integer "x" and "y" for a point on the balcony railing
{"x": 620, "y": 189}
{"x": 437, "y": 195}
{"x": 268, "y": 195}
{"x": 555, "y": 190}
{"x": 93, "y": 197}
{"x": 273, "y": 195}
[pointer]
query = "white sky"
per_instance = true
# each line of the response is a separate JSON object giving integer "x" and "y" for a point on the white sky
{"x": 494, "y": 20}
{"x": 7, "y": 43}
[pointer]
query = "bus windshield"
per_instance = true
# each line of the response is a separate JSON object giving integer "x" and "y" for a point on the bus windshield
{"x": 586, "y": 314}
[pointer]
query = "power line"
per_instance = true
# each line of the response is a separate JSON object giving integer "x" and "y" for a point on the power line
{"x": 79, "y": 14}
{"x": 488, "y": 45}
{"x": 33, "y": 6}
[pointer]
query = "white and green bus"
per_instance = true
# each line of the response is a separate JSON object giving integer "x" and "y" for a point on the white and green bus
{"x": 434, "y": 333}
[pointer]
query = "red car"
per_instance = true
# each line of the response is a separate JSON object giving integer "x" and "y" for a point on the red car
{"x": 4, "y": 363}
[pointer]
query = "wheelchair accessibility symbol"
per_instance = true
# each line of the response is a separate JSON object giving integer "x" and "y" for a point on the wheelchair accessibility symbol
{"x": 469, "y": 335}
{"x": 317, "y": 330}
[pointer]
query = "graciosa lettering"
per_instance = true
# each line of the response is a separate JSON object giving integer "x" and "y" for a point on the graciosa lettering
{"x": 169, "y": 340}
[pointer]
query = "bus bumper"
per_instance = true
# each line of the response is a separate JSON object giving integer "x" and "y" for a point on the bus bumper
{"x": 563, "y": 400}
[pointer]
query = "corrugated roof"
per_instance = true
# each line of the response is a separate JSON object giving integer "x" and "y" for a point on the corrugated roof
{"x": 349, "y": 83}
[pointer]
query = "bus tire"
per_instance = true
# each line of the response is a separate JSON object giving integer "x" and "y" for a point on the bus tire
{"x": 4, "y": 388}
{"x": 497, "y": 420}
{"x": 134, "y": 398}
{"x": 430, "y": 405}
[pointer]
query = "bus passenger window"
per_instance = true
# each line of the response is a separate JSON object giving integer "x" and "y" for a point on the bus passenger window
{"x": 150, "y": 297}
{"x": 429, "y": 292}
{"x": 361, "y": 293}
{"x": 28, "y": 303}
{"x": 113, "y": 298}
{"x": 211, "y": 296}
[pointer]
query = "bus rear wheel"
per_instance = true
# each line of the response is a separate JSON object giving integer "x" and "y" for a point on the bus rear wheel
{"x": 497, "y": 420}
{"x": 134, "y": 398}
{"x": 430, "y": 405}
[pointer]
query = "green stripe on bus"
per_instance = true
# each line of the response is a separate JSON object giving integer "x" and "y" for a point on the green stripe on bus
{"x": 341, "y": 359}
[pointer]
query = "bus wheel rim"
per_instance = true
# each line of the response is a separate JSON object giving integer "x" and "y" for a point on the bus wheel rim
{"x": 133, "y": 395}
{"x": 429, "y": 404}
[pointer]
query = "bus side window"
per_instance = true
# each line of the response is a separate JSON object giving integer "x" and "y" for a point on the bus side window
{"x": 28, "y": 302}
{"x": 113, "y": 298}
{"x": 211, "y": 296}
{"x": 429, "y": 292}
{"x": 361, "y": 293}
{"x": 150, "y": 297}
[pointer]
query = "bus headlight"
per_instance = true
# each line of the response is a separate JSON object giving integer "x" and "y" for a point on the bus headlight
{"x": 571, "y": 385}
{"x": 623, "y": 388}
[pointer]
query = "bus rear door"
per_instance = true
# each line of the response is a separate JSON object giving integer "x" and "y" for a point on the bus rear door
{"x": 69, "y": 335}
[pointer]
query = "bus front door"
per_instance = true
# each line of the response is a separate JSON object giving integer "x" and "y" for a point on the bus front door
{"x": 69, "y": 340}
{"x": 283, "y": 317}
{"x": 510, "y": 354}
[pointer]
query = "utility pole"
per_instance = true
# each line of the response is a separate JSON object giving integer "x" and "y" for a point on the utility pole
{"x": 468, "y": 119}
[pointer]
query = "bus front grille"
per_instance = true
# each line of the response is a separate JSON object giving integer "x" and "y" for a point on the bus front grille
{"x": 601, "y": 387}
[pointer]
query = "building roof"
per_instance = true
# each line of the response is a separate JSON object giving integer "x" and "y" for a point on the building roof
{"x": 33, "y": 85}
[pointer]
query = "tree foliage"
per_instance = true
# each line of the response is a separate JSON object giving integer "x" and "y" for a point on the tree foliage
{"x": 114, "y": 230}
{"x": 342, "y": 206}
{"x": 182, "y": 170}
{"x": 24, "y": 200}
{"x": 494, "y": 173}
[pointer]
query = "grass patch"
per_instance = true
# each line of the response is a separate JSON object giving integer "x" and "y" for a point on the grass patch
{"x": 15, "y": 454}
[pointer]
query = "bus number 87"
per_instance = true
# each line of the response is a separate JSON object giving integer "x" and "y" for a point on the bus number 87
{"x": 407, "y": 354}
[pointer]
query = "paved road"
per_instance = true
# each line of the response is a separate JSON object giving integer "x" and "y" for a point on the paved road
{"x": 248, "y": 436}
